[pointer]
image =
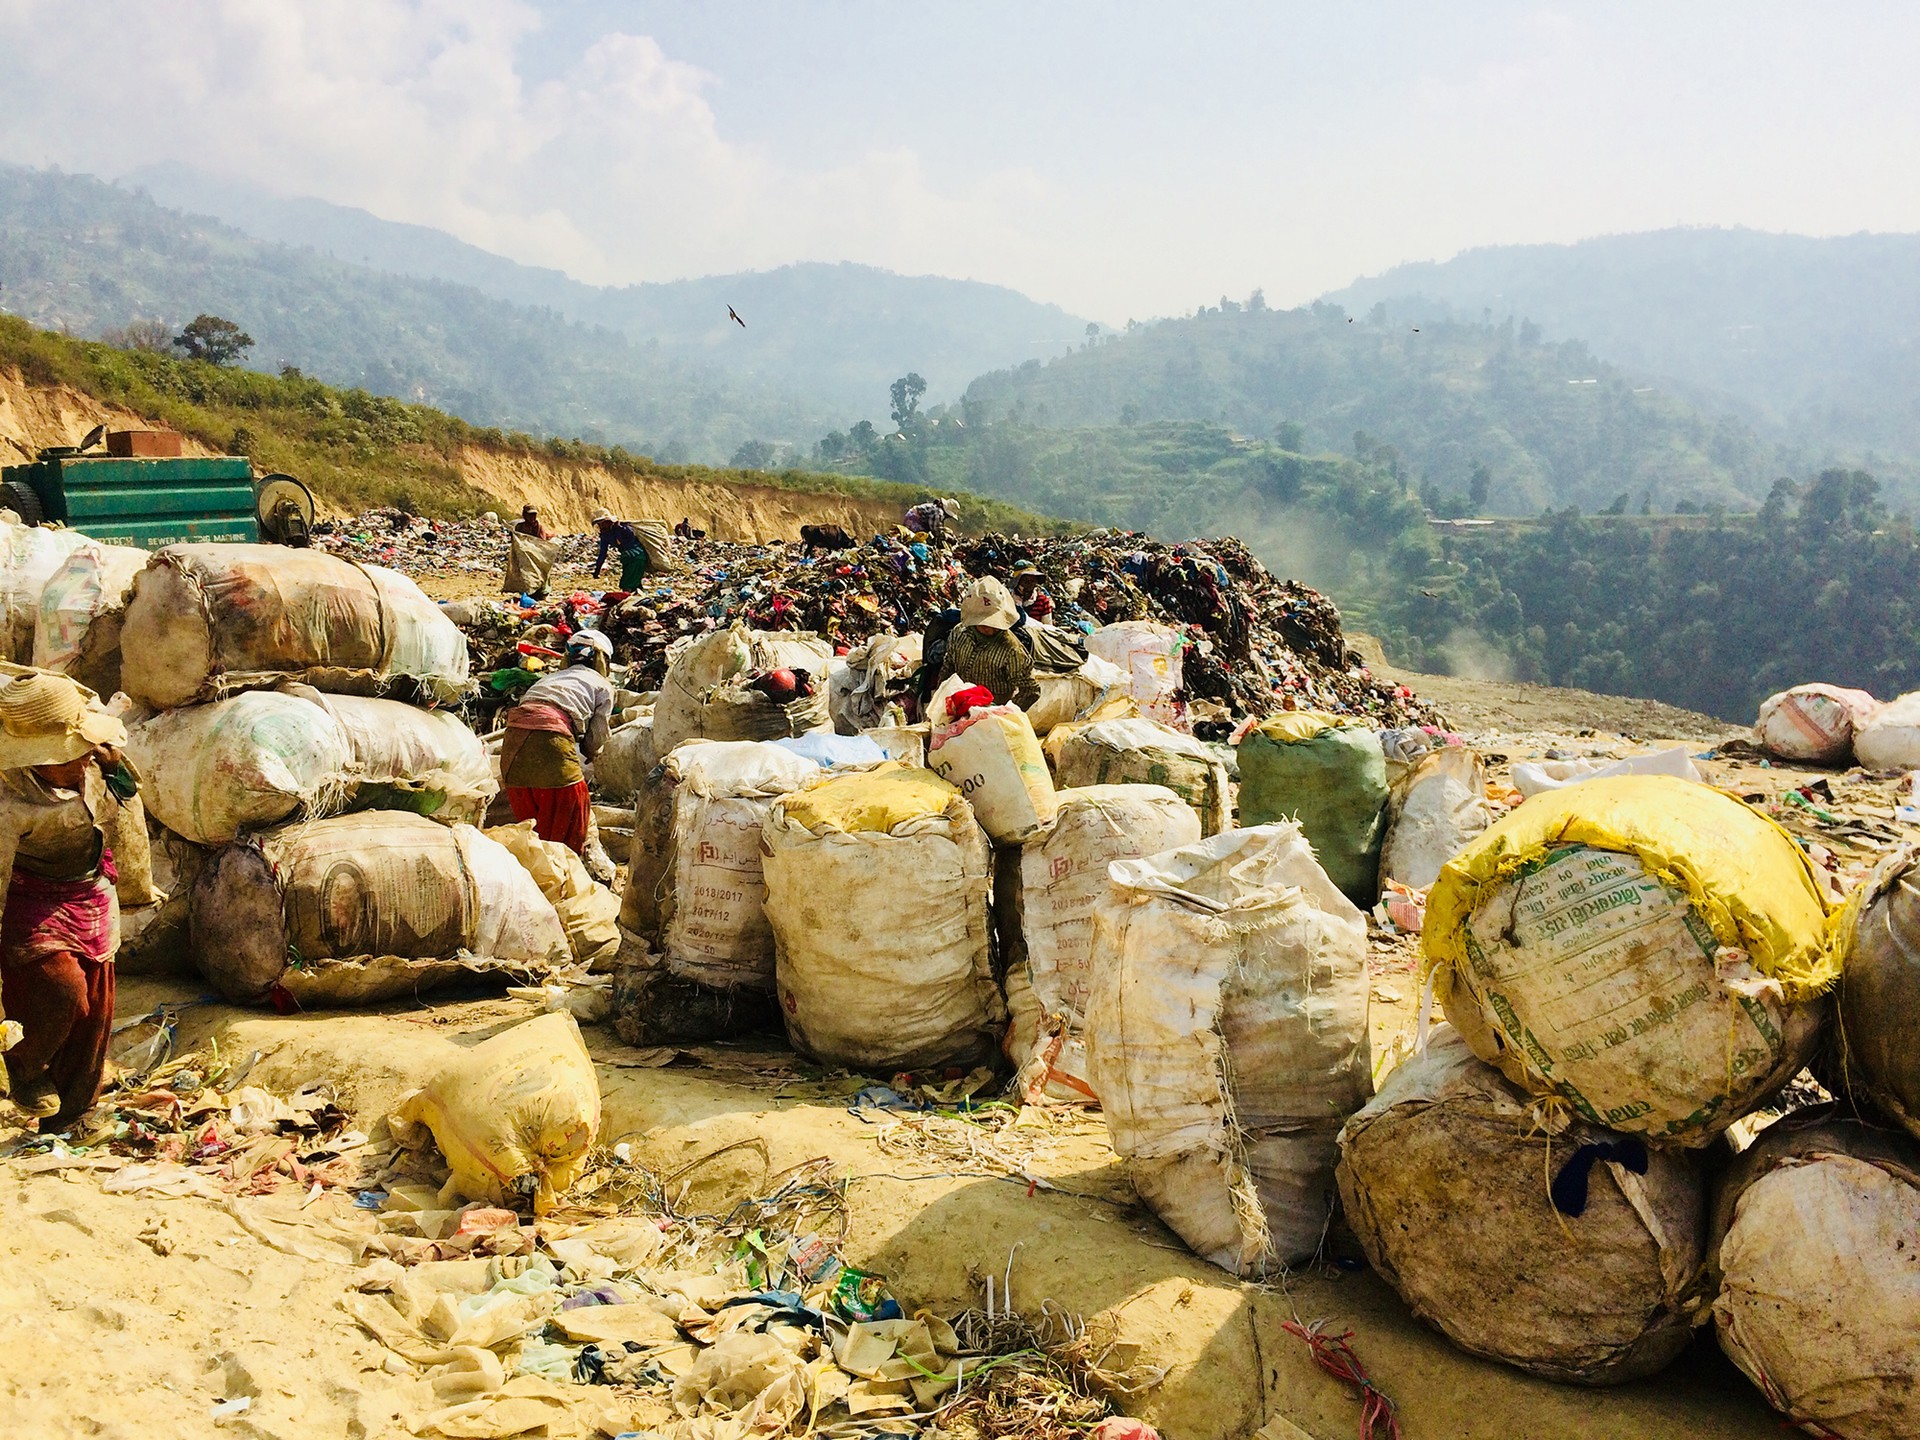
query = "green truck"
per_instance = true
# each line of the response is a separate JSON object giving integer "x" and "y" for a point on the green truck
{"x": 134, "y": 487}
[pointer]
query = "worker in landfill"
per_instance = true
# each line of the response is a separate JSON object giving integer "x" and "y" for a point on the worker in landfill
{"x": 933, "y": 518}
{"x": 562, "y": 719}
{"x": 983, "y": 650}
{"x": 618, "y": 536}
{"x": 1027, "y": 583}
{"x": 61, "y": 777}
{"x": 529, "y": 524}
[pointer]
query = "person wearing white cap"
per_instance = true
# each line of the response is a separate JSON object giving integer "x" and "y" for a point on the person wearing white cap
{"x": 562, "y": 716}
{"x": 61, "y": 775}
{"x": 983, "y": 649}
{"x": 932, "y": 518}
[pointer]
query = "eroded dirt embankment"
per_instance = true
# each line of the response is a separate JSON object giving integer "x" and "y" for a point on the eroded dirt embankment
{"x": 568, "y": 492}
{"x": 35, "y": 416}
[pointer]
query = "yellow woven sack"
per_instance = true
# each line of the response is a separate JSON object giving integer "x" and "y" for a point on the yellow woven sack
{"x": 1291, "y": 727}
{"x": 1650, "y": 950}
{"x": 514, "y": 1116}
{"x": 870, "y": 801}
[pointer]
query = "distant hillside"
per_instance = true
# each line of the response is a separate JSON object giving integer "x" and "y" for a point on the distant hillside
{"x": 357, "y": 450}
{"x": 1817, "y": 339}
{"x": 836, "y": 334}
{"x": 1709, "y": 611}
{"x": 1472, "y": 416}
{"x": 85, "y": 257}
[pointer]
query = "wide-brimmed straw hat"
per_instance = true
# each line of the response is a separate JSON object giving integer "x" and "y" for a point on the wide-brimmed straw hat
{"x": 988, "y": 602}
{"x": 47, "y": 720}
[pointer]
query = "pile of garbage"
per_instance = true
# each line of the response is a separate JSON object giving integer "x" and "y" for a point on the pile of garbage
{"x": 1249, "y": 642}
{"x": 190, "y": 1123}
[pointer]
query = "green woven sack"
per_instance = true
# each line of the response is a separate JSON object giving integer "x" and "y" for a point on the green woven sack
{"x": 1330, "y": 775}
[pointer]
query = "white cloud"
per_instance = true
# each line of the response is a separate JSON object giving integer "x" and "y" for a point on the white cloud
{"x": 614, "y": 170}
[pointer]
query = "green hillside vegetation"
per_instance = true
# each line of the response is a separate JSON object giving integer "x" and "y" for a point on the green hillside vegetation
{"x": 84, "y": 257}
{"x": 1818, "y": 340}
{"x": 357, "y": 450}
{"x": 1712, "y": 610}
{"x": 1478, "y": 416}
{"x": 1821, "y": 584}
{"x": 836, "y": 333}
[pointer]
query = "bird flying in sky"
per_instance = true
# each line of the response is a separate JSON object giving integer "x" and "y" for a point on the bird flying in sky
{"x": 734, "y": 316}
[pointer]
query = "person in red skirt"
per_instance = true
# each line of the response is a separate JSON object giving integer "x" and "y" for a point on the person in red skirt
{"x": 61, "y": 776}
{"x": 562, "y": 717}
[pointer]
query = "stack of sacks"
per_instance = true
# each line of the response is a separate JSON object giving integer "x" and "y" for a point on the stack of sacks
{"x": 1098, "y": 690}
{"x": 30, "y": 556}
{"x": 696, "y": 893}
{"x": 1813, "y": 723}
{"x": 877, "y": 886}
{"x": 1044, "y": 895}
{"x": 1593, "y": 1278}
{"x": 1148, "y": 654}
{"x": 1875, "y": 1059}
{"x": 708, "y": 694}
{"x": 1329, "y": 772}
{"x": 295, "y": 907}
{"x": 990, "y": 754}
{"x": 1144, "y": 752}
{"x": 872, "y": 681}
{"x": 1889, "y": 738}
{"x": 1813, "y": 1244}
{"x": 1631, "y": 965}
{"x": 82, "y": 605}
{"x": 1227, "y": 1039}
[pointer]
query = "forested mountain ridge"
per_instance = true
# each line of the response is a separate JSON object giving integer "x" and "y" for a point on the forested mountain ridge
{"x": 1476, "y": 416}
{"x": 1816, "y": 339}
{"x": 85, "y": 257}
{"x": 833, "y": 333}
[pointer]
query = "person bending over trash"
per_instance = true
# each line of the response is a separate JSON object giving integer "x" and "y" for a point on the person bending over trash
{"x": 618, "y": 536}
{"x": 61, "y": 775}
{"x": 561, "y": 717}
{"x": 983, "y": 650}
{"x": 932, "y": 517}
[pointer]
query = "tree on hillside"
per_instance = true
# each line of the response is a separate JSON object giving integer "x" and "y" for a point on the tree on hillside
{"x": 1290, "y": 434}
{"x": 213, "y": 339}
{"x": 1480, "y": 486}
{"x": 905, "y": 394}
{"x": 149, "y": 334}
{"x": 753, "y": 455}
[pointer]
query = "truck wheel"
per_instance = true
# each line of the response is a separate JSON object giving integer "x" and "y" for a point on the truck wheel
{"x": 23, "y": 500}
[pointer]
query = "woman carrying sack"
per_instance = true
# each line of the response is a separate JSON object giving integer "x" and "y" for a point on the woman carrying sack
{"x": 619, "y": 538}
{"x": 560, "y": 718}
{"x": 61, "y": 777}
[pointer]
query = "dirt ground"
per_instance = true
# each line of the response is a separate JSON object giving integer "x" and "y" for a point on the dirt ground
{"x": 127, "y": 1315}
{"x": 110, "y": 1337}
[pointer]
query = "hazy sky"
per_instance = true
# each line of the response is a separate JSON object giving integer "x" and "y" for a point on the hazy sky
{"x": 1125, "y": 160}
